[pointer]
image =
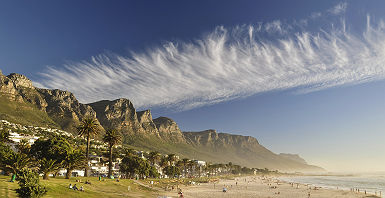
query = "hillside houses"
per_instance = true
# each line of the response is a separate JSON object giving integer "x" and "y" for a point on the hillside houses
{"x": 98, "y": 163}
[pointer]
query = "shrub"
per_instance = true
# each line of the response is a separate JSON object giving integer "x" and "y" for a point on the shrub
{"x": 29, "y": 184}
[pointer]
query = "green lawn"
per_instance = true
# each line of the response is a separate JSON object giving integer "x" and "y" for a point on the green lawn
{"x": 58, "y": 187}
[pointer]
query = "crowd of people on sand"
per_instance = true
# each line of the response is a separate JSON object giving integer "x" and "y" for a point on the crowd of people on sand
{"x": 272, "y": 183}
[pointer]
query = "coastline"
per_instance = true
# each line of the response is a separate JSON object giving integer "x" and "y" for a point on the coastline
{"x": 260, "y": 186}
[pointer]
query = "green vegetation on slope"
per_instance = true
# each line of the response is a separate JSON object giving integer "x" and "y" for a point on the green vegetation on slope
{"x": 151, "y": 143}
{"x": 24, "y": 114}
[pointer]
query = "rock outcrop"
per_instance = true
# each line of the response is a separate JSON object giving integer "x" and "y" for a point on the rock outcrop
{"x": 20, "y": 80}
{"x": 8, "y": 88}
{"x": 169, "y": 130}
{"x": 61, "y": 106}
{"x": 64, "y": 108}
{"x": 145, "y": 119}
{"x": 119, "y": 114}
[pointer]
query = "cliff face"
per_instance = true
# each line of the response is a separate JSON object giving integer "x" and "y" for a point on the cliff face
{"x": 119, "y": 114}
{"x": 169, "y": 130}
{"x": 64, "y": 108}
{"x": 61, "y": 106}
{"x": 145, "y": 120}
{"x": 21, "y": 102}
{"x": 244, "y": 150}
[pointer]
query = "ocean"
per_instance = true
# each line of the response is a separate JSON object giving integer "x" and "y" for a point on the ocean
{"x": 372, "y": 183}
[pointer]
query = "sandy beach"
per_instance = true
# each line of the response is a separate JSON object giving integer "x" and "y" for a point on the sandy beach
{"x": 264, "y": 187}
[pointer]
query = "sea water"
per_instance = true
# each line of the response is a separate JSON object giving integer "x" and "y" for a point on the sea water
{"x": 374, "y": 182}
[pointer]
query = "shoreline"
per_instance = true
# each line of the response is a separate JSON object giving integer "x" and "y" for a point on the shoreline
{"x": 362, "y": 190}
{"x": 260, "y": 186}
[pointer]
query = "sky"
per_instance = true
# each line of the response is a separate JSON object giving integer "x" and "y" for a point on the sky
{"x": 302, "y": 77}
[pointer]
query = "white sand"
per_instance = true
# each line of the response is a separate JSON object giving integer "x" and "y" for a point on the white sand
{"x": 259, "y": 187}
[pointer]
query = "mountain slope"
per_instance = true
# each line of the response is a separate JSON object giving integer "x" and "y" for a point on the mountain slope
{"x": 244, "y": 150}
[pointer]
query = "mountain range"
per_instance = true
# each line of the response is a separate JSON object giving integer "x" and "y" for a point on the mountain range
{"x": 21, "y": 102}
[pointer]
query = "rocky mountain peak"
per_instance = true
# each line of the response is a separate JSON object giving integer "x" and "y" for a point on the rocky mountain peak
{"x": 144, "y": 116}
{"x": 20, "y": 80}
{"x": 168, "y": 129}
{"x": 119, "y": 114}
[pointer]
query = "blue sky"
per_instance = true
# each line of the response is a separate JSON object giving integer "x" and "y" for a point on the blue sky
{"x": 301, "y": 76}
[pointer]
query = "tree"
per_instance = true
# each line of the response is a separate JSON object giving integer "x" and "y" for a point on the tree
{"x": 192, "y": 164}
{"x": 4, "y": 135}
{"x": 46, "y": 166}
{"x": 171, "y": 159}
{"x": 163, "y": 162}
{"x": 29, "y": 184}
{"x": 15, "y": 162}
{"x": 134, "y": 165}
{"x": 73, "y": 160}
{"x": 154, "y": 157}
{"x": 23, "y": 146}
{"x": 185, "y": 162}
{"x": 50, "y": 154}
{"x": 111, "y": 137}
{"x": 171, "y": 171}
{"x": 87, "y": 128}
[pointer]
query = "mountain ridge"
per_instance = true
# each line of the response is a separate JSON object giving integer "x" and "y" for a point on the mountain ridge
{"x": 61, "y": 109}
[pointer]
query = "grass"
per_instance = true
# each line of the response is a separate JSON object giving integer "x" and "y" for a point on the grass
{"x": 58, "y": 187}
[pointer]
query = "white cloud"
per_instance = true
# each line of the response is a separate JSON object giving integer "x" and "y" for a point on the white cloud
{"x": 227, "y": 64}
{"x": 338, "y": 9}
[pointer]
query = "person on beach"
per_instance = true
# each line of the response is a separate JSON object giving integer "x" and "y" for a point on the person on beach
{"x": 70, "y": 186}
{"x": 75, "y": 187}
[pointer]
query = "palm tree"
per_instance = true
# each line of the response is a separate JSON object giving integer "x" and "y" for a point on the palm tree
{"x": 185, "y": 161}
{"x": 46, "y": 166}
{"x": 87, "y": 128}
{"x": 111, "y": 137}
{"x": 163, "y": 162}
{"x": 171, "y": 158}
{"x": 23, "y": 146}
{"x": 192, "y": 164}
{"x": 15, "y": 162}
{"x": 154, "y": 157}
{"x": 74, "y": 159}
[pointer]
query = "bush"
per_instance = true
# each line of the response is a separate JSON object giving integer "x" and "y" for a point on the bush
{"x": 29, "y": 184}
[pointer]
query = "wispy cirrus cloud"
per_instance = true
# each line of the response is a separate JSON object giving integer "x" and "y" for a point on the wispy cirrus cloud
{"x": 338, "y": 9}
{"x": 228, "y": 63}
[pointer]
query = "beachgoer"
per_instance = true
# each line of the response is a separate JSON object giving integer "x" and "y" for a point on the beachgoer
{"x": 13, "y": 178}
{"x": 70, "y": 187}
{"x": 75, "y": 187}
{"x": 224, "y": 190}
{"x": 81, "y": 188}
